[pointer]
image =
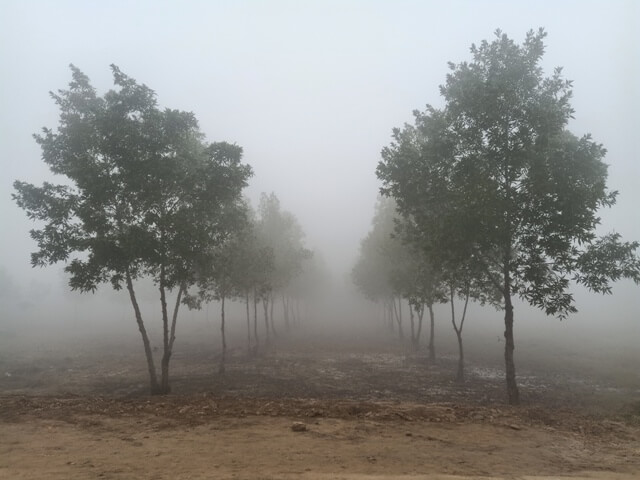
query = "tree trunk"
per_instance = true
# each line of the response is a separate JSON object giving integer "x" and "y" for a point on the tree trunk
{"x": 401, "y": 330}
{"x": 419, "y": 332}
{"x": 273, "y": 325}
{"x": 255, "y": 322}
{"x": 174, "y": 320}
{"x": 265, "y": 306}
{"x": 414, "y": 343}
{"x": 458, "y": 330}
{"x": 223, "y": 356}
{"x": 398, "y": 316}
{"x": 432, "y": 346}
{"x": 153, "y": 379}
{"x": 166, "y": 352}
{"x": 285, "y": 309}
{"x": 246, "y": 298}
{"x": 292, "y": 312}
{"x": 460, "y": 373}
{"x": 509, "y": 346}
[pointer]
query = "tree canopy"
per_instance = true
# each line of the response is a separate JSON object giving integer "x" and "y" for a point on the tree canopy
{"x": 495, "y": 180}
{"x": 143, "y": 194}
{"x": 280, "y": 231}
{"x": 390, "y": 267}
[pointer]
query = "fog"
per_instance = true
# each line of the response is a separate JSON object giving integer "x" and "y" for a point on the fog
{"x": 311, "y": 91}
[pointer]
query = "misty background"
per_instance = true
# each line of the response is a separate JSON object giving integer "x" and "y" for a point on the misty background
{"x": 311, "y": 90}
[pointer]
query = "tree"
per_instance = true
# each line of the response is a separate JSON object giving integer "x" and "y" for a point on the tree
{"x": 501, "y": 185}
{"x": 466, "y": 284}
{"x": 427, "y": 291}
{"x": 373, "y": 271}
{"x": 251, "y": 272}
{"x": 390, "y": 269}
{"x": 280, "y": 231}
{"x": 223, "y": 276}
{"x": 143, "y": 196}
{"x": 259, "y": 279}
{"x": 312, "y": 285}
{"x": 425, "y": 279}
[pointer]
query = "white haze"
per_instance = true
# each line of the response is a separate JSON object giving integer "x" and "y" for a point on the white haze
{"x": 311, "y": 91}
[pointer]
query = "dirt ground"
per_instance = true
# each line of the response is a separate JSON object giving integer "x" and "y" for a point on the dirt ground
{"x": 366, "y": 410}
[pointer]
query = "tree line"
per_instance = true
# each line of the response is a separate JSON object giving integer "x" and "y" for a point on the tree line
{"x": 486, "y": 199}
{"x": 145, "y": 195}
{"x": 492, "y": 198}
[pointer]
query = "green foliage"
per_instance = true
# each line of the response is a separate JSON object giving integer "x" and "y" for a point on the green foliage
{"x": 238, "y": 266}
{"x": 608, "y": 259}
{"x": 497, "y": 187}
{"x": 143, "y": 194}
{"x": 373, "y": 271}
{"x": 280, "y": 231}
{"x": 263, "y": 255}
{"x": 495, "y": 182}
{"x": 390, "y": 266}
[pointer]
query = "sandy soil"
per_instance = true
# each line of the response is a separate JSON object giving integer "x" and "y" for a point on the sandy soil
{"x": 366, "y": 413}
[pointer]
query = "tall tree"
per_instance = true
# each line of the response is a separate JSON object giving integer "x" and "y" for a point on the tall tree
{"x": 390, "y": 269}
{"x": 143, "y": 196}
{"x": 280, "y": 231}
{"x": 252, "y": 270}
{"x": 425, "y": 279}
{"x": 223, "y": 274}
{"x": 373, "y": 271}
{"x": 311, "y": 285}
{"x": 466, "y": 284}
{"x": 499, "y": 182}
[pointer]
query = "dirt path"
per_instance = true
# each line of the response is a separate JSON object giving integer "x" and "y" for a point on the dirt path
{"x": 205, "y": 437}
{"x": 370, "y": 411}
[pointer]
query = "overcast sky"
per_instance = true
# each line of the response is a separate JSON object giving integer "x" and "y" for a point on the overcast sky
{"x": 309, "y": 89}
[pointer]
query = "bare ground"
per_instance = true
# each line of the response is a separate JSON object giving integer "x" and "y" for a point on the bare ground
{"x": 368, "y": 411}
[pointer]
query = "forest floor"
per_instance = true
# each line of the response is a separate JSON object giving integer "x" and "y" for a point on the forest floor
{"x": 366, "y": 410}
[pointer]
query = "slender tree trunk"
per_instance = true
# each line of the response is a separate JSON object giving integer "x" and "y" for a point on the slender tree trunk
{"x": 414, "y": 344}
{"x": 292, "y": 312}
{"x": 398, "y": 315}
{"x": 271, "y": 321}
{"x": 509, "y": 346}
{"x": 285, "y": 309}
{"x": 460, "y": 372}
{"x": 153, "y": 379}
{"x": 223, "y": 356}
{"x": 432, "y": 334}
{"x": 255, "y": 321}
{"x": 246, "y": 299}
{"x": 458, "y": 330}
{"x": 265, "y": 306}
{"x": 166, "y": 357}
{"x": 166, "y": 353}
{"x": 419, "y": 332}
{"x": 174, "y": 319}
{"x": 388, "y": 316}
